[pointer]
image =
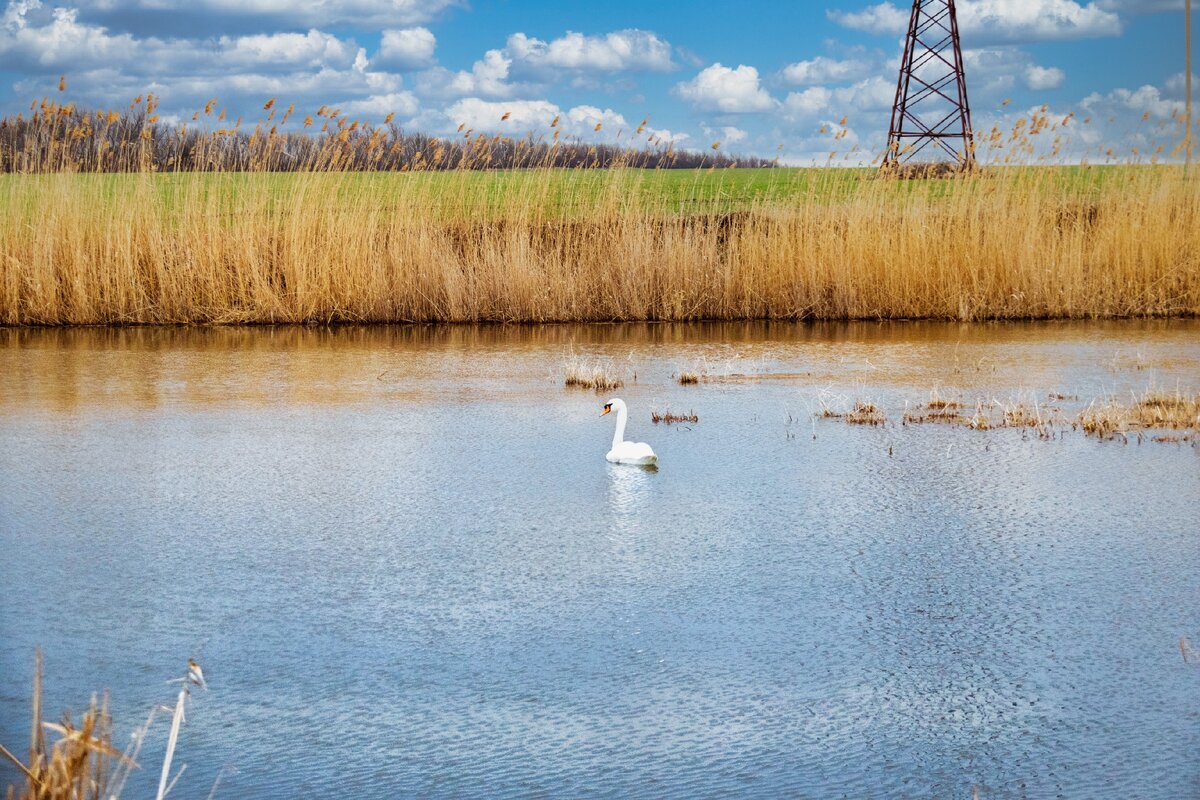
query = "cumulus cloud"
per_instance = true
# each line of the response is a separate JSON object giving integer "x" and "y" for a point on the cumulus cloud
{"x": 1140, "y": 6}
{"x": 994, "y": 73}
{"x": 378, "y": 107}
{"x": 881, "y": 19}
{"x": 281, "y": 51}
{"x": 59, "y": 42}
{"x": 1131, "y": 103}
{"x": 868, "y": 95}
{"x": 366, "y": 13}
{"x": 34, "y": 42}
{"x": 526, "y": 65}
{"x": 405, "y": 49}
{"x": 822, "y": 70}
{"x": 730, "y": 91}
{"x": 536, "y": 116}
{"x": 620, "y": 51}
{"x": 488, "y": 76}
{"x": 1039, "y": 78}
{"x": 991, "y": 21}
{"x": 726, "y": 134}
{"x": 107, "y": 68}
{"x": 810, "y": 103}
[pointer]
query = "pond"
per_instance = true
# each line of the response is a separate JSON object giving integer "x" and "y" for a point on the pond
{"x": 407, "y": 569}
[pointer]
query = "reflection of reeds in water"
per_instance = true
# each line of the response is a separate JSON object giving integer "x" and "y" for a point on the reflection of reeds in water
{"x": 406, "y": 239}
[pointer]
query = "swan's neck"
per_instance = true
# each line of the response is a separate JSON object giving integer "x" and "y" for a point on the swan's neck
{"x": 619, "y": 435}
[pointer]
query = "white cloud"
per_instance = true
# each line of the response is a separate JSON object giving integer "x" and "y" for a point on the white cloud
{"x": 1039, "y": 78}
{"x": 60, "y": 41}
{"x": 535, "y": 116}
{"x": 488, "y": 76}
{"x": 989, "y": 21}
{"x": 285, "y": 50}
{"x": 880, "y": 19}
{"x": 730, "y": 91}
{"x": 526, "y": 65}
{"x": 1133, "y": 102}
{"x": 373, "y": 13}
{"x": 826, "y": 70}
{"x": 1140, "y": 6}
{"x": 809, "y": 103}
{"x": 994, "y": 73}
{"x": 726, "y": 134}
{"x": 620, "y": 51}
{"x": 486, "y": 115}
{"x": 405, "y": 49}
{"x": 869, "y": 95}
{"x": 378, "y": 107}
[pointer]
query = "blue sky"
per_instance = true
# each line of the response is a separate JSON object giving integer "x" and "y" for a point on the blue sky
{"x": 768, "y": 78}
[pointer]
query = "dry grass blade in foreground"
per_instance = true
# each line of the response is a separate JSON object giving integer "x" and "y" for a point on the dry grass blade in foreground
{"x": 81, "y": 764}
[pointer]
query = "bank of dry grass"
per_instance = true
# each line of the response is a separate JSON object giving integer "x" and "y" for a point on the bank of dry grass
{"x": 548, "y": 244}
{"x": 150, "y": 249}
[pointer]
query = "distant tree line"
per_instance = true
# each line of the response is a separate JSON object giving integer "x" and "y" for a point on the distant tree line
{"x": 63, "y": 138}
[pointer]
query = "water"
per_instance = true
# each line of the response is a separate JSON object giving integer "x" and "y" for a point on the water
{"x": 408, "y": 570}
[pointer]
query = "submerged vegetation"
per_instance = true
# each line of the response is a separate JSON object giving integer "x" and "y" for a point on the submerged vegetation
{"x": 118, "y": 218}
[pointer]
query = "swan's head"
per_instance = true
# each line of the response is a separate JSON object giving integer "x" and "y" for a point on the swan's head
{"x": 616, "y": 404}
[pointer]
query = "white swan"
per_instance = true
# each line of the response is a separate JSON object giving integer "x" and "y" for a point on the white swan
{"x": 624, "y": 452}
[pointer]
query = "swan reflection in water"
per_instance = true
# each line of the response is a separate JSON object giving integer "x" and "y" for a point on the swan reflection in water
{"x": 629, "y": 493}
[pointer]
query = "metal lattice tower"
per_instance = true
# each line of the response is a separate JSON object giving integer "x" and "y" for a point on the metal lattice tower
{"x": 931, "y": 118}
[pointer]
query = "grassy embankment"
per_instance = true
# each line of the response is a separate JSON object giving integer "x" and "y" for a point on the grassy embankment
{"x": 624, "y": 244}
{"x": 373, "y": 227}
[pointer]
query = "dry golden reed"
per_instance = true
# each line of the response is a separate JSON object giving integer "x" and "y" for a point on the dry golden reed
{"x": 82, "y": 764}
{"x": 244, "y": 244}
{"x": 196, "y": 248}
{"x": 1152, "y": 410}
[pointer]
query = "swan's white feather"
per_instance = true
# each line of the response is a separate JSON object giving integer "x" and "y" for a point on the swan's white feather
{"x": 632, "y": 453}
{"x": 624, "y": 452}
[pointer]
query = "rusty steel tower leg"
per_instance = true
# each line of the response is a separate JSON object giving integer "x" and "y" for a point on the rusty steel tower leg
{"x": 931, "y": 117}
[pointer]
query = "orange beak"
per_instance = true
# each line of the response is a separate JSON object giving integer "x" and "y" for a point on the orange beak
{"x": 605, "y": 411}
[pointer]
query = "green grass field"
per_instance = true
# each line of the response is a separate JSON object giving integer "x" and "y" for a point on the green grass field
{"x": 563, "y": 192}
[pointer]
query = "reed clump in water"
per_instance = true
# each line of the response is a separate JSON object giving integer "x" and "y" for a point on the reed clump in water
{"x": 594, "y": 375}
{"x": 358, "y": 224}
{"x": 670, "y": 418}
{"x": 937, "y": 410}
{"x": 1152, "y": 410}
{"x": 865, "y": 413}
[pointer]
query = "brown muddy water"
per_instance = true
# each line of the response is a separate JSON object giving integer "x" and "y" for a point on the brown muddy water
{"x": 408, "y": 570}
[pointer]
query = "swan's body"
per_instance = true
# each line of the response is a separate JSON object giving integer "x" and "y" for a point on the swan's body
{"x": 624, "y": 452}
